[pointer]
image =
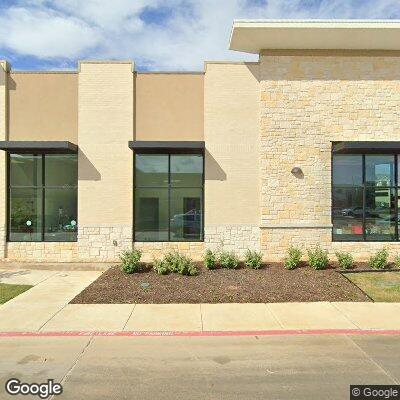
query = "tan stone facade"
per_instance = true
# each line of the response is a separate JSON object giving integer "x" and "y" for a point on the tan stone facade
{"x": 258, "y": 121}
{"x": 308, "y": 100}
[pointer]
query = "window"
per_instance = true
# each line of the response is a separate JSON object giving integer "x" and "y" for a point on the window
{"x": 42, "y": 197}
{"x": 365, "y": 197}
{"x": 168, "y": 197}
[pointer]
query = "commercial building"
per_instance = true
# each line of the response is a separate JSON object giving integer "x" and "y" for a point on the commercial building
{"x": 298, "y": 148}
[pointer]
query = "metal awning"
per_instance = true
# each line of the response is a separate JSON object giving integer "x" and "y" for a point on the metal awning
{"x": 144, "y": 146}
{"x": 22, "y": 146}
{"x": 365, "y": 147}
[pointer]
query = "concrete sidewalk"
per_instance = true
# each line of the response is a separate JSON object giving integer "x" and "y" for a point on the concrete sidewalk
{"x": 45, "y": 308}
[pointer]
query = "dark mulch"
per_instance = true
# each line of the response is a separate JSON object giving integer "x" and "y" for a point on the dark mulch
{"x": 270, "y": 284}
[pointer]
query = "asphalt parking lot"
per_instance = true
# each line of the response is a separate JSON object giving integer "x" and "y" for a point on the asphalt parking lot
{"x": 231, "y": 367}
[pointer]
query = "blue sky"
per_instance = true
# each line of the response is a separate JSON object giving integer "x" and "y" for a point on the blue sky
{"x": 156, "y": 34}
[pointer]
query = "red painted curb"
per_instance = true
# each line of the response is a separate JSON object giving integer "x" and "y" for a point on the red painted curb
{"x": 206, "y": 333}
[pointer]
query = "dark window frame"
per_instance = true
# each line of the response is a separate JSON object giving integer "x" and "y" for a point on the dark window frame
{"x": 169, "y": 153}
{"x": 42, "y": 188}
{"x": 364, "y": 187}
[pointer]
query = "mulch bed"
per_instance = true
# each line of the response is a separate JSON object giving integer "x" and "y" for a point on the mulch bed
{"x": 272, "y": 283}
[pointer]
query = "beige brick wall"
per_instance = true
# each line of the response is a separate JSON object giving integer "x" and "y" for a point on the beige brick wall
{"x": 105, "y": 176}
{"x": 307, "y": 101}
{"x": 231, "y": 133}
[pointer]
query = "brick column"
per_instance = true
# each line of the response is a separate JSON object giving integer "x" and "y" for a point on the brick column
{"x": 105, "y": 177}
{"x": 4, "y": 69}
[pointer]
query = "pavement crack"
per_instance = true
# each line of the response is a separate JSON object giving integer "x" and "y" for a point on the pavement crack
{"x": 80, "y": 355}
{"x": 387, "y": 373}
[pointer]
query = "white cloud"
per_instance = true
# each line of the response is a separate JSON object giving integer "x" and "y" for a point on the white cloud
{"x": 45, "y": 34}
{"x": 191, "y": 32}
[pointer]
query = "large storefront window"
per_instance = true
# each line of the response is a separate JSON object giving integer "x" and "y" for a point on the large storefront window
{"x": 42, "y": 197}
{"x": 168, "y": 197}
{"x": 365, "y": 197}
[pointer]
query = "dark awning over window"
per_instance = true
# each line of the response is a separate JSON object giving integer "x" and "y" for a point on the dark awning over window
{"x": 22, "y": 146}
{"x": 365, "y": 147}
{"x": 141, "y": 146}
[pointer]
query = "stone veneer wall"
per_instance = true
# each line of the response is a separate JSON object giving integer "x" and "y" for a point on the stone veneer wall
{"x": 154, "y": 250}
{"x": 236, "y": 238}
{"x": 103, "y": 243}
{"x": 308, "y": 100}
{"x": 42, "y": 251}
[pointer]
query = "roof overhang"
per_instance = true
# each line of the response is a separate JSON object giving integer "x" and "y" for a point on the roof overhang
{"x": 142, "y": 146}
{"x": 20, "y": 146}
{"x": 365, "y": 147}
{"x": 252, "y": 36}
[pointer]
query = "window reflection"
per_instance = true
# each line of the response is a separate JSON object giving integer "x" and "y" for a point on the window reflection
{"x": 364, "y": 210}
{"x": 347, "y": 213}
{"x": 347, "y": 170}
{"x": 151, "y": 170}
{"x": 380, "y": 214}
{"x": 169, "y": 197}
{"x": 25, "y": 215}
{"x": 379, "y": 170}
{"x": 43, "y": 197}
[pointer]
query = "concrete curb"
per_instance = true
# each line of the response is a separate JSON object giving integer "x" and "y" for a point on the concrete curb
{"x": 283, "y": 332}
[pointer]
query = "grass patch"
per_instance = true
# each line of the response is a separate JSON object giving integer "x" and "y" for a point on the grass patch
{"x": 380, "y": 286}
{"x": 8, "y": 292}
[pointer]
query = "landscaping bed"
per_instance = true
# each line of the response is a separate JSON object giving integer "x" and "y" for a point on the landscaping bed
{"x": 271, "y": 283}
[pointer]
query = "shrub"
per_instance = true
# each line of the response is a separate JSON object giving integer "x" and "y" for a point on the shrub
{"x": 292, "y": 260}
{"x": 379, "y": 260}
{"x": 130, "y": 261}
{"x": 179, "y": 263}
{"x": 171, "y": 260}
{"x": 318, "y": 258}
{"x": 397, "y": 261}
{"x": 160, "y": 267}
{"x": 253, "y": 259}
{"x": 345, "y": 259}
{"x": 228, "y": 259}
{"x": 210, "y": 259}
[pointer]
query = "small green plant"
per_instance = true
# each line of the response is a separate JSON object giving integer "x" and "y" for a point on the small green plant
{"x": 318, "y": 258}
{"x": 160, "y": 267}
{"x": 379, "y": 260}
{"x": 397, "y": 261}
{"x": 345, "y": 260}
{"x": 228, "y": 259}
{"x": 130, "y": 261}
{"x": 210, "y": 259}
{"x": 171, "y": 260}
{"x": 252, "y": 259}
{"x": 179, "y": 263}
{"x": 292, "y": 260}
